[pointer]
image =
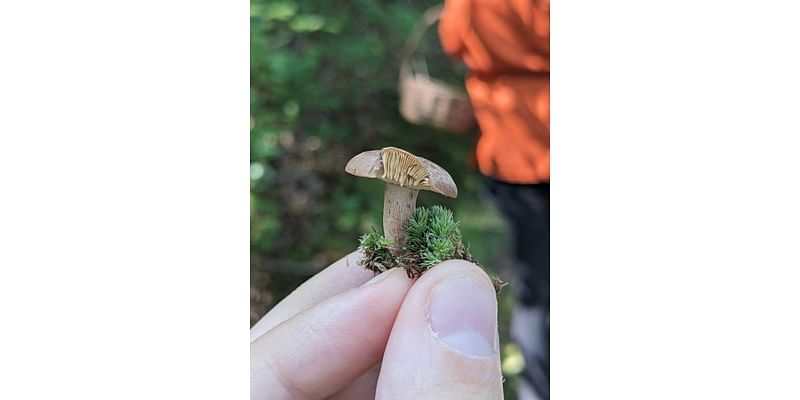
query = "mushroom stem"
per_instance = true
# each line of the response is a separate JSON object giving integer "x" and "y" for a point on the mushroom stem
{"x": 399, "y": 204}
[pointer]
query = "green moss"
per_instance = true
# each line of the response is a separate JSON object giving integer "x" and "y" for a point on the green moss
{"x": 432, "y": 236}
{"x": 376, "y": 250}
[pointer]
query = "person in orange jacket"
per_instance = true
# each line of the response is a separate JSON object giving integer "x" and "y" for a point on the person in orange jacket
{"x": 506, "y": 46}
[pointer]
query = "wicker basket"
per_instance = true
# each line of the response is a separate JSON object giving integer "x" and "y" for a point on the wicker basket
{"x": 425, "y": 100}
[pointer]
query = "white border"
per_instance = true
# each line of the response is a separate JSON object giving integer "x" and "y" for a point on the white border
{"x": 675, "y": 202}
{"x": 124, "y": 249}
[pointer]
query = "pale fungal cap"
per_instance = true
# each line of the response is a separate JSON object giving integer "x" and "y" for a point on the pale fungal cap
{"x": 399, "y": 167}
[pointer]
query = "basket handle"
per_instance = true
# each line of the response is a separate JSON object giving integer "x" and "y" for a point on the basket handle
{"x": 430, "y": 18}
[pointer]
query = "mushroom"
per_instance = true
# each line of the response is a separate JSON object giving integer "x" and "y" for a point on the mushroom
{"x": 405, "y": 175}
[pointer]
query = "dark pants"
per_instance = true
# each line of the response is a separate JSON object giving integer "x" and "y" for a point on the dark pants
{"x": 527, "y": 209}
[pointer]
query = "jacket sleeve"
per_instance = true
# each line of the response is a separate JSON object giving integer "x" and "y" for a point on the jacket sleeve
{"x": 453, "y": 26}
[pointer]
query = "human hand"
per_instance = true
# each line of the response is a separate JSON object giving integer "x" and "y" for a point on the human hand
{"x": 342, "y": 335}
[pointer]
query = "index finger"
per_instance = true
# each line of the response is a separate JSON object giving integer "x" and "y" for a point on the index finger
{"x": 342, "y": 275}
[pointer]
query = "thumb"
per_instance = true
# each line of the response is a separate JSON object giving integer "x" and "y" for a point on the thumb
{"x": 444, "y": 341}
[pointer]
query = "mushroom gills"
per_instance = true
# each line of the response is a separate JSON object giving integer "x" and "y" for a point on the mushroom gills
{"x": 403, "y": 168}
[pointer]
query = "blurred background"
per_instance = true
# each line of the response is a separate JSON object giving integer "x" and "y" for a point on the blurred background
{"x": 324, "y": 87}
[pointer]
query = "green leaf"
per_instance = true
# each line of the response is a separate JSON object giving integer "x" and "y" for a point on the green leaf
{"x": 280, "y": 11}
{"x": 307, "y": 23}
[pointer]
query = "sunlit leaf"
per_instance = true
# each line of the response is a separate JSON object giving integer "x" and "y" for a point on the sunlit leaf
{"x": 280, "y": 10}
{"x": 307, "y": 23}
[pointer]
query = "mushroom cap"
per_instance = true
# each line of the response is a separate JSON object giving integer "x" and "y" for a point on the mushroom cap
{"x": 399, "y": 167}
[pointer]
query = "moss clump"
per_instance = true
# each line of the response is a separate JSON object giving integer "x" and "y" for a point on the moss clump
{"x": 376, "y": 252}
{"x": 432, "y": 236}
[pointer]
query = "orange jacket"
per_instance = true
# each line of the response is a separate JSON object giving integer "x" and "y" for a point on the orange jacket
{"x": 506, "y": 46}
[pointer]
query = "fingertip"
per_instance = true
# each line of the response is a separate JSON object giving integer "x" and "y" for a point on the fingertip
{"x": 393, "y": 273}
{"x": 450, "y": 268}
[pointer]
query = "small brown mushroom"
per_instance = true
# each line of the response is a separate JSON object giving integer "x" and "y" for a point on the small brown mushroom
{"x": 405, "y": 175}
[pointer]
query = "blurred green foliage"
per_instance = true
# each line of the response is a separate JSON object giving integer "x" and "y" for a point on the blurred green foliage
{"x": 323, "y": 88}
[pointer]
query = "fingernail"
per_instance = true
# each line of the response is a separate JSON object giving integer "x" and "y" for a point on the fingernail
{"x": 463, "y": 315}
{"x": 378, "y": 277}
